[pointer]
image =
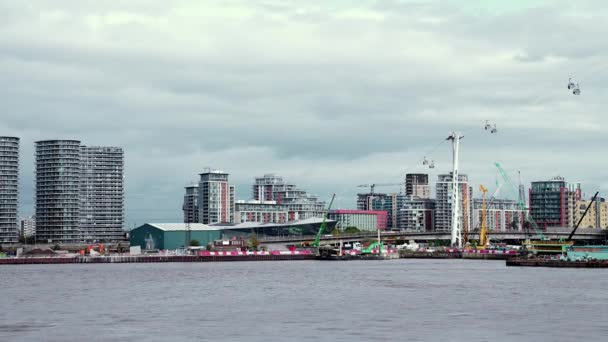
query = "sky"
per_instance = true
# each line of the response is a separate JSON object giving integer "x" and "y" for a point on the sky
{"x": 328, "y": 94}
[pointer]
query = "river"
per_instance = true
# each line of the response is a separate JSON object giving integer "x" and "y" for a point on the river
{"x": 392, "y": 300}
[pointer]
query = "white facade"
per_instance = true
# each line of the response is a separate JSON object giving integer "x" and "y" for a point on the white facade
{"x": 501, "y": 215}
{"x": 27, "y": 226}
{"x": 9, "y": 189}
{"x": 443, "y": 202}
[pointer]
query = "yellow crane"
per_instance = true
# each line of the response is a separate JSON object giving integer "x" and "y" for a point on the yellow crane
{"x": 483, "y": 233}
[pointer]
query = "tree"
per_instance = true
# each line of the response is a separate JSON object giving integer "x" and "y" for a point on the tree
{"x": 352, "y": 230}
{"x": 335, "y": 232}
{"x": 194, "y": 243}
{"x": 254, "y": 242}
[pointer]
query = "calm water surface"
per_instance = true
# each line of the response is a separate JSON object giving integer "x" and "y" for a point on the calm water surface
{"x": 394, "y": 300}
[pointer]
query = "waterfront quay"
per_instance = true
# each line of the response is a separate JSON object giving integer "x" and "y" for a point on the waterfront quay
{"x": 156, "y": 258}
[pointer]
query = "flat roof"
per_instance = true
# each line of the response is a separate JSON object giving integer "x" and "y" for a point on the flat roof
{"x": 312, "y": 220}
{"x": 181, "y": 226}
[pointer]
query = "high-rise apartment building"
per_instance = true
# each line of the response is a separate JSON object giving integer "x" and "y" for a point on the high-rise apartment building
{"x": 553, "y": 202}
{"x": 190, "y": 206}
{"x": 9, "y": 189}
{"x": 381, "y": 201}
{"x": 417, "y": 184}
{"x": 101, "y": 193}
{"x": 597, "y": 216}
{"x": 300, "y": 205}
{"x": 501, "y": 215}
{"x": 28, "y": 226}
{"x": 260, "y": 211}
{"x": 58, "y": 191}
{"x": 416, "y": 214}
{"x": 215, "y": 198}
{"x": 443, "y": 202}
{"x": 79, "y": 192}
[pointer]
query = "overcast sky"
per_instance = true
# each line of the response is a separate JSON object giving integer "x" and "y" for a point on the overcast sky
{"x": 328, "y": 94}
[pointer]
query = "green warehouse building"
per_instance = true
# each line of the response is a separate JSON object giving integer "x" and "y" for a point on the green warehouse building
{"x": 172, "y": 235}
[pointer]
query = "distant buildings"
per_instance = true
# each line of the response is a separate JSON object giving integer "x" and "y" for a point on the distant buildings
{"x": 417, "y": 184}
{"x": 501, "y": 215}
{"x": 299, "y": 204}
{"x": 190, "y": 206}
{"x": 443, "y": 202}
{"x": 597, "y": 216}
{"x": 9, "y": 189}
{"x": 27, "y": 226}
{"x": 552, "y": 202}
{"x": 260, "y": 211}
{"x": 367, "y": 220}
{"x": 215, "y": 198}
{"x": 79, "y": 192}
{"x": 416, "y": 214}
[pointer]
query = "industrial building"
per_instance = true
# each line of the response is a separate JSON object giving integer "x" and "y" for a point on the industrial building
{"x": 164, "y": 236}
{"x": 215, "y": 198}
{"x": 416, "y": 214}
{"x": 366, "y": 220}
{"x": 9, "y": 189}
{"x": 443, "y": 202}
{"x": 79, "y": 192}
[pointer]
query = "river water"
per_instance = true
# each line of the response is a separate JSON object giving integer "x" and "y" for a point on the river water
{"x": 392, "y": 300}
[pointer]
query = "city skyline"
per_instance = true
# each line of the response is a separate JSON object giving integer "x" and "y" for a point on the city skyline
{"x": 330, "y": 95}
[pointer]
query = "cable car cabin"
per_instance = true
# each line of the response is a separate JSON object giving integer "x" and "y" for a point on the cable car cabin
{"x": 571, "y": 84}
{"x": 577, "y": 90}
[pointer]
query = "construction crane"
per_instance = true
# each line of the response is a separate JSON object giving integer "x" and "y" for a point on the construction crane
{"x": 374, "y": 185}
{"x": 520, "y": 203}
{"x": 322, "y": 228}
{"x": 483, "y": 234}
{"x": 582, "y": 217}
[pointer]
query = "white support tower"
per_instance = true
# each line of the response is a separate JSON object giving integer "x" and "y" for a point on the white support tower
{"x": 456, "y": 240}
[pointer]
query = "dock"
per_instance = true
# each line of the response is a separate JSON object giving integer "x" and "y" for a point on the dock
{"x": 541, "y": 262}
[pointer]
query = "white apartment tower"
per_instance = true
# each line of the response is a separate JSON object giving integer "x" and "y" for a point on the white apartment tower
{"x": 101, "y": 193}
{"x": 443, "y": 202}
{"x": 215, "y": 198}
{"x": 9, "y": 189}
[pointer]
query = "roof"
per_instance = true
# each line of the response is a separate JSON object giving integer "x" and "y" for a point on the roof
{"x": 181, "y": 226}
{"x": 312, "y": 220}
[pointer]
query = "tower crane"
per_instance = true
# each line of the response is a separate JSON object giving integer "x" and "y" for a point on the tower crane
{"x": 374, "y": 185}
{"x": 483, "y": 233}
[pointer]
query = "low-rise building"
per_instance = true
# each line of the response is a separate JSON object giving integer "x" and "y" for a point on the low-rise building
{"x": 162, "y": 236}
{"x": 367, "y": 220}
{"x": 27, "y": 226}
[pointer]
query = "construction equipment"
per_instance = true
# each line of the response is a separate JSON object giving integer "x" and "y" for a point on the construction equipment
{"x": 483, "y": 234}
{"x": 374, "y": 185}
{"x": 582, "y": 217}
{"x": 322, "y": 228}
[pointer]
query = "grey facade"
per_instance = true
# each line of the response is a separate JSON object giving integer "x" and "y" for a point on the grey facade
{"x": 58, "y": 191}
{"x": 79, "y": 192}
{"x": 417, "y": 184}
{"x": 416, "y": 214}
{"x": 9, "y": 189}
{"x": 101, "y": 194}
{"x": 190, "y": 206}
